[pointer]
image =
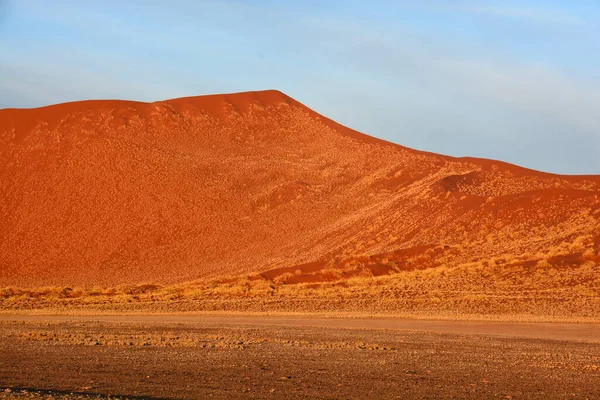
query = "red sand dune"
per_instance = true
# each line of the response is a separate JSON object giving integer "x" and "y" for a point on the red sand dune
{"x": 111, "y": 192}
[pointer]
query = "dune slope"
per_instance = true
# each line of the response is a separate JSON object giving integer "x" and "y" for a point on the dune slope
{"x": 118, "y": 192}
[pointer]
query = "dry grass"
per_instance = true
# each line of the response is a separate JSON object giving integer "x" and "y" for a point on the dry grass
{"x": 562, "y": 282}
{"x": 483, "y": 288}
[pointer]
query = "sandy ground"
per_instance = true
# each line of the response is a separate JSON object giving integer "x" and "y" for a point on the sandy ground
{"x": 294, "y": 358}
{"x": 557, "y": 331}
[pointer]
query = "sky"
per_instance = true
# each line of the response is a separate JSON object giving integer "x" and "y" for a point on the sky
{"x": 517, "y": 81}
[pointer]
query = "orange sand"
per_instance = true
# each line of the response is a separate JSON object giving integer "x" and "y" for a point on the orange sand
{"x": 114, "y": 192}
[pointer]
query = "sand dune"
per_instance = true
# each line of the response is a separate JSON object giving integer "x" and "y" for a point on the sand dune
{"x": 115, "y": 192}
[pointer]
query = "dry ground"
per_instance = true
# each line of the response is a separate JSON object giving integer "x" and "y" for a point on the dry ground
{"x": 225, "y": 360}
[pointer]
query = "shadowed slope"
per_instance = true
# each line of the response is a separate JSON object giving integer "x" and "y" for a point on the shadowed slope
{"x": 111, "y": 192}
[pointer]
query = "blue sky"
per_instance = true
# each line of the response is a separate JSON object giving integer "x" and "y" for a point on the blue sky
{"x": 512, "y": 80}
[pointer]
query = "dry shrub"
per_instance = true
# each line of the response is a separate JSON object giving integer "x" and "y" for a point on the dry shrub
{"x": 10, "y": 292}
{"x": 589, "y": 254}
{"x": 543, "y": 264}
{"x": 588, "y": 265}
{"x": 70, "y": 293}
{"x": 580, "y": 243}
{"x": 283, "y": 277}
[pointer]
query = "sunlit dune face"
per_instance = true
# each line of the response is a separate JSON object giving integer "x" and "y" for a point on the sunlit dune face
{"x": 115, "y": 192}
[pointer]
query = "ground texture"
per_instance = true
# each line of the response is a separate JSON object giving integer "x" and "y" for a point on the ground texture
{"x": 217, "y": 358}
